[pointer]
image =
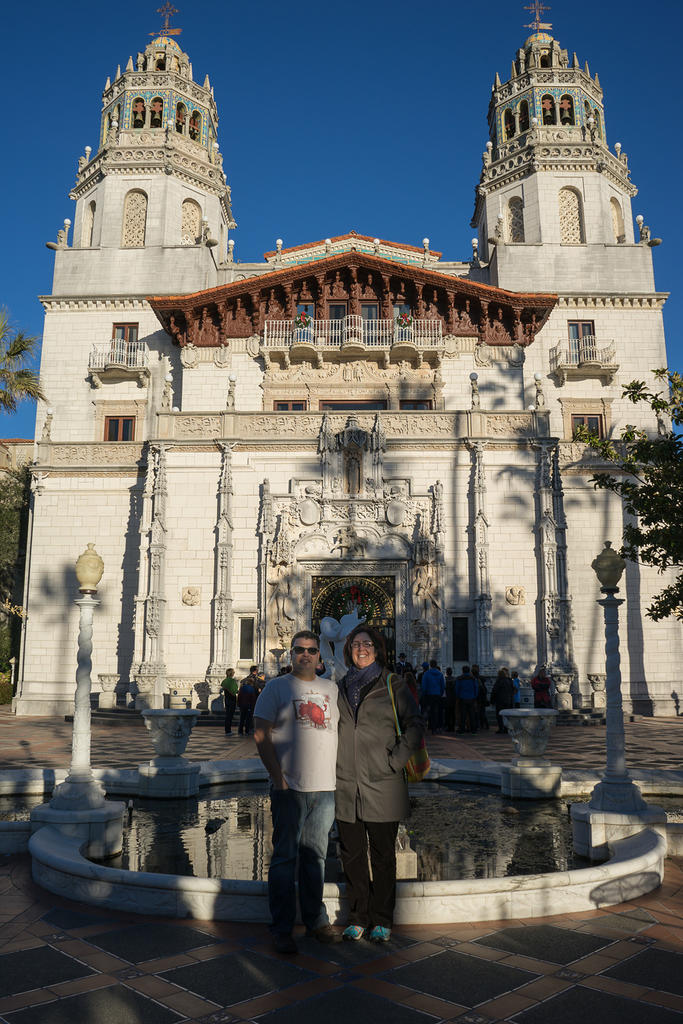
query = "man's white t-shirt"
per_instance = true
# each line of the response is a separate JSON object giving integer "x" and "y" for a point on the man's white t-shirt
{"x": 304, "y": 717}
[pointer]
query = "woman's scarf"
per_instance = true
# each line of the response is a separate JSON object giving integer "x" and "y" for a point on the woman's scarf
{"x": 355, "y": 679}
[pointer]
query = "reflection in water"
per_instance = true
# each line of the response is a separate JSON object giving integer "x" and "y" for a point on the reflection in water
{"x": 454, "y": 832}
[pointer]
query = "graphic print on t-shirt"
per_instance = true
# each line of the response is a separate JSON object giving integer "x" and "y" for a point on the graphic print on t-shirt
{"x": 313, "y": 711}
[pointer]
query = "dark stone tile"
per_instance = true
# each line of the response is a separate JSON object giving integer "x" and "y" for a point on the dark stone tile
{"x": 343, "y": 1005}
{"x": 542, "y": 941}
{"x": 27, "y": 969}
{"x": 348, "y": 954}
{"x": 219, "y": 1017}
{"x": 237, "y": 976}
{"x": 150, "y": 941}
{"x": 586, "y": 1004}
{"x": 63, "y": 917}
{"x": 656, "y": 968}
{"x": 117, "y": 1005}
{"x": 459, "y": 978}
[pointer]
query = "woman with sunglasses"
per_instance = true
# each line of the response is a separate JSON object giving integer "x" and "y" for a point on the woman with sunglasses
{"x": 372, "y": 793}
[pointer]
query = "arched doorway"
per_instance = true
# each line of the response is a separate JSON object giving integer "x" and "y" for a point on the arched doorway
{"x": 373, "y": 596}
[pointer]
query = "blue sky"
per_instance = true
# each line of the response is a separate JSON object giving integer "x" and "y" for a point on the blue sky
{"x": 368, "y": 116}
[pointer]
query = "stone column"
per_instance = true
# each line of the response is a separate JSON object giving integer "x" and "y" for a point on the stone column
{"x": 151, "y": 677}
{"x": 265, "y": 529}
{"x": 221, "y": 641}
{"x": 565, "y": 642}
{"x": 482, "y": 601}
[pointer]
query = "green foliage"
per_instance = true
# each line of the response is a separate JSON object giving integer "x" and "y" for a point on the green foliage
{"x": 651, "y": 484}
{"x": 16, "y": 382}
{"x": 14, "y": 503}
{"x": 5, "y": 688}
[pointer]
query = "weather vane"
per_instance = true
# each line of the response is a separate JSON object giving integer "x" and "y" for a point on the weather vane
{"x": 537, "y": 9}
{"x": 167, "y": 12}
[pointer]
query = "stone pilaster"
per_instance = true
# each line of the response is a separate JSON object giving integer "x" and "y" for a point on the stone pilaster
{"x": 151, "y": 676}
{"x": 221, "y": 638}
{"x": 482, "y": 584}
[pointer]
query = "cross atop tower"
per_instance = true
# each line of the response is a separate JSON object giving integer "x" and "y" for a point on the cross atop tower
{"x": 167, "y": 12}
{"x": 537, "y": 9}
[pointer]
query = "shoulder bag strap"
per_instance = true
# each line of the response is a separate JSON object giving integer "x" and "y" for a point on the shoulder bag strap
{"x": 393, "y": 703}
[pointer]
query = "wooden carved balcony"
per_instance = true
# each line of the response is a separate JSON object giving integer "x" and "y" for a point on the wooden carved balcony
{"x": 582, "y": 359}
{"x": 118, "y": 360}
{"x": 352, "y": 335}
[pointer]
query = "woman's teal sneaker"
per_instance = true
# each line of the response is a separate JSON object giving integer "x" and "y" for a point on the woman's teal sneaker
{"x": 353, "y": 932}
{"x": 380, "y": 934}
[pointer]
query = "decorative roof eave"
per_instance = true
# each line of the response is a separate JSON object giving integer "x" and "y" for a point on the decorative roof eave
{"x": 238, "y": 309}
{"x": 351, "y": 236}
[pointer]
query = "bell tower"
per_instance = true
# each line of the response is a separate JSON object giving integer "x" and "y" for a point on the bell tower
{"x": 155, "y": 184}
{"x": 553, "y": 204}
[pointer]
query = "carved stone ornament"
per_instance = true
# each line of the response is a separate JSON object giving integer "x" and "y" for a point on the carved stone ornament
{"x": 252, "y": 345}
{"x": 192, "y": 596}
{"x": 396, "y": 512}
{"x": 515, "y": 595}
{"x": 309, "y": 511}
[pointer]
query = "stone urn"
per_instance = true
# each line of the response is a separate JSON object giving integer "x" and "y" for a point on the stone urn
{"x": 597, "y": 681}
{"x": 529, "y": 775}
{"x": 170, "y": 730}
{"x": 529, "y": 729}
{"x": 89, "y": 569}
{"x": 169, "y": 775}
{"x": 108, "y": 682}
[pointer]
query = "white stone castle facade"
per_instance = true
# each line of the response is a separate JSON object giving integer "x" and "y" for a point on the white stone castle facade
{"x": 351, "y": 423}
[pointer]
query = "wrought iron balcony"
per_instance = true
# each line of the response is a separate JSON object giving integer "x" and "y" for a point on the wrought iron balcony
{"x": 352, "y": 332}
{"x": 582, "y": 358}
{"x": 119, "y": 360}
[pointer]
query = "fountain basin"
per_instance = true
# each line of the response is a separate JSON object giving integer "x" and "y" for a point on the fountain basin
{"x": 636, "y": 867}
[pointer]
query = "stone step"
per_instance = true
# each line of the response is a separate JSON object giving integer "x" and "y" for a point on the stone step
{"x": 129, "y": 716}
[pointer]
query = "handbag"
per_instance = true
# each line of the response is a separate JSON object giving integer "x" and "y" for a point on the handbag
{"x": 419, "y": 764}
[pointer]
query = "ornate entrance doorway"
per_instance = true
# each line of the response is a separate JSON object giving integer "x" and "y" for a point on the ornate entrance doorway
{"x": 372, "y": 596}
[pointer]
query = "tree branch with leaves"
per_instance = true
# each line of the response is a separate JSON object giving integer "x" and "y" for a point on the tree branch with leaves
{"x": 650, "y": 483}
{"x": 17, "y": 383}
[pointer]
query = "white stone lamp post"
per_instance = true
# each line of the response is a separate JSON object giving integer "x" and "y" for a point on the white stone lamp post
{"x": 616, "y": 808}
{"x": 78, "y": 805}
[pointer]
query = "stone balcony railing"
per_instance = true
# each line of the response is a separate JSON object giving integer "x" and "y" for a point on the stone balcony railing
{"x": 117, "y": 360}
{"x": 352, "y": 331}
{"x": 582, "y": 358}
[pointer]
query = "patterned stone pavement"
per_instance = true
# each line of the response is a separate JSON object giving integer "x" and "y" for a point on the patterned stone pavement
{"x": 62, "y": 962}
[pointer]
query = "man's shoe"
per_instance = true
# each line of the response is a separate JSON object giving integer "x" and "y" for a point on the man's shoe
{"x": 353, "y": 932}
{"x": 326, "y": 933}
{"x": 380, "y": 934}
{"x": 283, "y": 943}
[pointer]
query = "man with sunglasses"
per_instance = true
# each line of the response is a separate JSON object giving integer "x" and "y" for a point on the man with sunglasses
{"x": 295, "y": 729}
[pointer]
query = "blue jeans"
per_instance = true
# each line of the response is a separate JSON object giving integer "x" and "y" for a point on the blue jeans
{"x": 301, "y": 825}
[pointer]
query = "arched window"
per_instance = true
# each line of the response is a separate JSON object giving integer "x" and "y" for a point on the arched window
{"x": 134, "y": 219}
{"x": 190, "y": 222}
{"x": 524, "y": 116}
{"x": 509, "y": 124}
{"x": 548, "y": 109}
{"x": 586, "y": 111}
{"x": 88, "y": 225}
{"x": 156, "y": 118}
{"x": 180, "y": 118}
{"x": 195, "y": 125}
{"x": 138, "y": 113}
{"x": 515, "y": 220}
{"x": 160, "y": 62}
{"x": 566, "y": 110}
{"x": 571, "y": 217}
{"x": 598, "y": 123}
{"x": 617, "y": 221}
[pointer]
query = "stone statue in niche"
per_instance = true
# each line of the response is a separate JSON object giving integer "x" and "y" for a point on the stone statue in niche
{"x": 515, "y": 595}
{"x": 424, "y": 592}
{"x": 280, "y": 581}
{"x": 352, "y": 471}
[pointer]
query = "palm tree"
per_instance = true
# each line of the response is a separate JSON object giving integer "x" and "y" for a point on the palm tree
{"x": 16, "y": 382}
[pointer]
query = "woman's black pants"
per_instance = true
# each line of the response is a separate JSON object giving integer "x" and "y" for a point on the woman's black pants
{"x": 370, "y": 902}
